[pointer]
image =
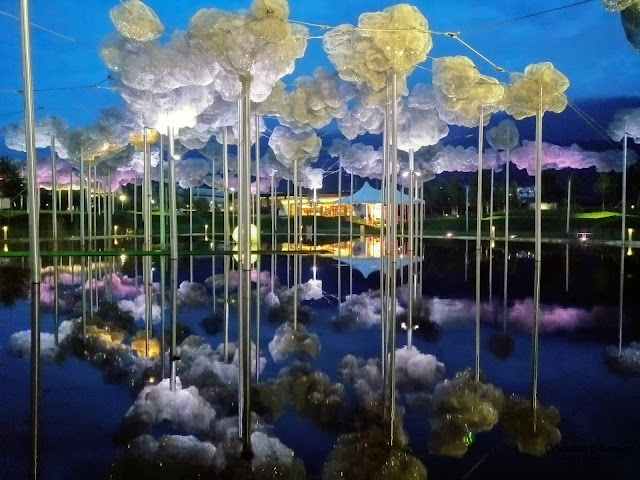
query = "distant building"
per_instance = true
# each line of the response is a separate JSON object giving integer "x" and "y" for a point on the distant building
{"x": 526, "y": 194}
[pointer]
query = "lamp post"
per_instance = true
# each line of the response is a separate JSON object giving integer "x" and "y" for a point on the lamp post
{"x": 5, "y": 230}
{"x": 206, "y": 231}
{"x": 122, "y": 200}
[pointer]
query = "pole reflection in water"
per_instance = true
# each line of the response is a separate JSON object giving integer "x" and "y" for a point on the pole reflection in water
{"x": 621, "y": 299}
{"x": 479, "y": 242}
{"x": 227, "y": 236}
{"x": 244, "y": 253}
{"x": 173, "y": 241}
{"x": 258, "y": 244}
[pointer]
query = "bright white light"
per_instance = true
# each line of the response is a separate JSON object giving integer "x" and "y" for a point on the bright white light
{"x": 449, "y": 235}
{"x": 254, "y": 234}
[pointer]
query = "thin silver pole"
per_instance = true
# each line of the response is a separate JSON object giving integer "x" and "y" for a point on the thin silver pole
{"x": 227, "y": 236}
{"x": 244, "y": 251}
{"x": 34, "y": 247}
{"x": 410, "y": 251}
{"x": 479, "y": 241}
{"x": 273, "y": 233}
{"x": 146, "y": 212}
{"x": 162, "y": 200}
{"x": 621, "y": 300}
{"x": 54, "y": 222}
{"x": 173, "y": 255}
{"x": 624, "y": 189}
{"x": 135, "y": 206}
{"x": 538, "y": 265}
{"x": 340, "y": 232}
{"x": 569, "y": 209}
{"x": 259, "y": 244}
{"x": 191, "y": 234}
{"x": 491, "y": 205}
{"x": 351, "y": 237}
{"x": 466, "y": 213}
{"x": 54, "y": 188}
{"x": 213, "y": 226}
{"x": 296, "y": 229}
{"x": 83, "y": 260}
{"x": 70, "y": 195}
{"x": 95, "y": 204}
{"x": 622, "y": 233}
{"x": 393, "y": 158}
{"x": 506, "y": 198}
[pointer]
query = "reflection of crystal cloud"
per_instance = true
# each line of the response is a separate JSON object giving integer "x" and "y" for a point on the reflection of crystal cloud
{"x": 462, "y": 407}
{"x": 518, "y": 422}
{"x": 297, "y": 342}
{"x": 192, "y": 295}
{"x": 173, "y": 449}
{"x": 20, "y": 342}
{"x": 312, "y": 394}
{"x": 415, "y": 373}
{"x": 183, "y": 408}
{"x": 311, "y": 290}
{"x": 136, "y": 308}
{"x": 361, "y": 310}
{"x": 201, "y": 366}
{"x": 367, "y": 456}
{"x": 628, "y": 362}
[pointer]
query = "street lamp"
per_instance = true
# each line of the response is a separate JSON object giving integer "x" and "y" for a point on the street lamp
{"x": 122, "y": 199}
{"x": 5, "y": 229}
{"x": 206, "y": 230}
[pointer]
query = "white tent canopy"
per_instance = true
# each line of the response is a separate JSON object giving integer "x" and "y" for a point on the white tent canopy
{"x": 368, "y": 194}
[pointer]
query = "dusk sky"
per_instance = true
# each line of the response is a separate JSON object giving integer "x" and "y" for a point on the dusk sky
{"x": 585, "y": 42}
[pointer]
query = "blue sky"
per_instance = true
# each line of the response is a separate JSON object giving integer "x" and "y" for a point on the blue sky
{"x": 585, "y": 42}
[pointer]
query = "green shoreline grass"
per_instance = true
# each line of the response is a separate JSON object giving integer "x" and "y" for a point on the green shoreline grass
{"x": 601, "y": 225}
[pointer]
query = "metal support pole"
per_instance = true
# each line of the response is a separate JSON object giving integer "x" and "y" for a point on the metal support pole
{"x": 538, "y": 265}
{"x": 191, "y": 234}
{"x": 162, "y": 200}
{"x": 244, "y": 255}
{"x": 173, "y": 244}
{"x": 569, "y": 209}
{"x": 340, "y": 232}
{"x": 146, "y": 212}
{"x": 296, "y": 246}
{"x": 410, "y": 251}
{"x": 259, "y": 245}
{"x": 351, "y": 237}
{"x": 34, "y": 247}
{"x": 83, "y": 260}
{"x": 466, "y": 208}
{"x": 227, "y": 236}
{"x": 479, "y": 241}
{"x": 624, "y": 189}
